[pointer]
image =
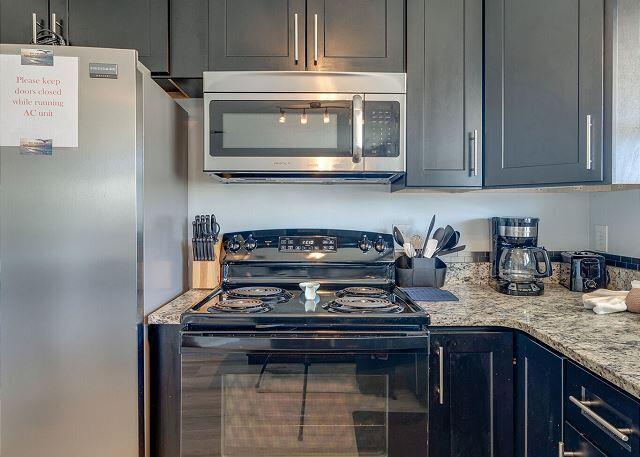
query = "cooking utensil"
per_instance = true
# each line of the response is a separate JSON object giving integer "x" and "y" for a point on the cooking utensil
{"x": 430, "y": 249}
{"x": 409, "y": 250}
{"x": 427, "y": 238}
{"x": 448, "y": 233}
{"x": 438, "y": 234}
{"x": 416, "y": 242}
{"x": 397, "y": 235}
{"x": 452, "y": 251}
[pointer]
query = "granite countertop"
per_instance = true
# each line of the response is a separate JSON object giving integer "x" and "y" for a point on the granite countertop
{"x": 608, "y": 345}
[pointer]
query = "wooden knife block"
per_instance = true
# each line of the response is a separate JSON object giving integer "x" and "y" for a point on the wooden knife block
{"x": 207, "y": 274}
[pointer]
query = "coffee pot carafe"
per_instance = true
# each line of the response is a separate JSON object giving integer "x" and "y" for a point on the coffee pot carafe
{"x": 523, "y": 264}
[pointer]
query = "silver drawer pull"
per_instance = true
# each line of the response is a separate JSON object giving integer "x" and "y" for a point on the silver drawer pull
{"x": 563, "y": 453}
{"x": 620, "y": 433}
{"x": 441, "y": 374}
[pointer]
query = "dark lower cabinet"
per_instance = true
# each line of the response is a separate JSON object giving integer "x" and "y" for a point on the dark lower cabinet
{"x": 544, "y": 91}
{"x": 16, "y": 19}
{"x": 355, "y": 35}
{"x": 577, "y": 445}
{"x": 538, "y": 399}
{"x": 444, "y": 102}
{"x": 471, "y": 399}
{"x": 142, "y": 25}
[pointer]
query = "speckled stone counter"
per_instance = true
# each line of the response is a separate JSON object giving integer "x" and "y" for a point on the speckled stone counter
{"x": 608, "y": 345}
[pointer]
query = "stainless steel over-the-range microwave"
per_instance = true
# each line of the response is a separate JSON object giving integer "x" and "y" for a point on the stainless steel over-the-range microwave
{"x": 297, "y": 126}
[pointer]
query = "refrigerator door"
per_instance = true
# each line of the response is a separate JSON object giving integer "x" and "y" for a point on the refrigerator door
{"x": 70, "y": 307}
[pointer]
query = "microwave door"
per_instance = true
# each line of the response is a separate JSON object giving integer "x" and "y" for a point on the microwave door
{"x": 283, "y": 133}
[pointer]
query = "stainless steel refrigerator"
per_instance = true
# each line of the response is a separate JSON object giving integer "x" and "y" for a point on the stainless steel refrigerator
{"x": 92, "y": 239}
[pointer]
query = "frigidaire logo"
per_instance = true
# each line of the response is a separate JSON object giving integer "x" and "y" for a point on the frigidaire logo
{"x": 282, "y": 163}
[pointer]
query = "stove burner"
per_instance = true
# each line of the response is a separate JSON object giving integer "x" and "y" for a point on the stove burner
{"x": 240, "y": 305}
{"x": 266, "y": 294}
{"x": 362, "y": 292}
{"x": 363, "y": 305}
{"x": 256, "y": 292}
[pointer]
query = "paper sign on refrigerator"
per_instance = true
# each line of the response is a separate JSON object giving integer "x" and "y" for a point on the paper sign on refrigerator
{"x": 38, "y": 101}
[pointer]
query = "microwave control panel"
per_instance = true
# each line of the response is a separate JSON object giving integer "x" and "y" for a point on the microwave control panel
{"x": 381, "y": 129}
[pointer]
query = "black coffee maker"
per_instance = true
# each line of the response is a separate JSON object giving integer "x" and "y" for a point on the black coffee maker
{"x": 516, "y": 259}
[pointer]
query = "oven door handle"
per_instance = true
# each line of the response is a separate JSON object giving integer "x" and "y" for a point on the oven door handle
{"x": 304, "y": 343}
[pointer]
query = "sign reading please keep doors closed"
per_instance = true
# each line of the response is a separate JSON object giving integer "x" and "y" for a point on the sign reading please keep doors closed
{"x": 38, "y": 101}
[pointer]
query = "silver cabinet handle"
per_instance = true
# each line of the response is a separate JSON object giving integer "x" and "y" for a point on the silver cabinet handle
{"x": 357, "y": 125}
{"x": 441, "y": 375}
{"x": 563, "y": 453}
{"x": 34, "y": 28}
{"x": 54, "y": 24}
{"x": 474, "y": 148}
{"x": 315, "y": 39}
{"x": 589, "y": 157}
{"x": 296, "y": 56}
{"x": 620, "y": 433}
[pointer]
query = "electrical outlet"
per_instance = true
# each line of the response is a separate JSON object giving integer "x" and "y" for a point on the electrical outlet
{"x": 601, "y": 238}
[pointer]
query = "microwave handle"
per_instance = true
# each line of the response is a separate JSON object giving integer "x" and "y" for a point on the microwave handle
{"x": 357, "y": 125}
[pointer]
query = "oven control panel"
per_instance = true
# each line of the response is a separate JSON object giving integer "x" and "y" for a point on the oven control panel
{"x": 307, "y": 243}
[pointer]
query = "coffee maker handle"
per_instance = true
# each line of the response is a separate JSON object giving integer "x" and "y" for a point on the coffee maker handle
{"x": 545, "y": 257}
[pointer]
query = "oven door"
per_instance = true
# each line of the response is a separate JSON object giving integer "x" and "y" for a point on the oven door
{"x": 257, "y": 132}
{"x": 304, "y": 395}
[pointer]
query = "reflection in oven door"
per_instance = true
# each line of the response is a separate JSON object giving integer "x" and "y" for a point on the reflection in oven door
{"x": 289, "y": 405}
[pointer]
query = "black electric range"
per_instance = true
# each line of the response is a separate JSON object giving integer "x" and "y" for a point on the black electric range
{"x": 266, "y": 371}
{"x": 262, "y": 271}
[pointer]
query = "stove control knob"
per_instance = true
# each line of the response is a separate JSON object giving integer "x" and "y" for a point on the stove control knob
{"x": 234, "y": 244}
{"x": 250, "y": 243}
{"x": 380, "y": 245}
{"x": 364, "y": 244}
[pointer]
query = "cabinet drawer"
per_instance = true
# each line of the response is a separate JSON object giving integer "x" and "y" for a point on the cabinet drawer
{"x": 576, "y": 443}
{"x": 601, "y": 413}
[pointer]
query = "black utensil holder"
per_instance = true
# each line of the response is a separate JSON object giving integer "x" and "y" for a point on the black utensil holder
{"x": 420, "y": 272}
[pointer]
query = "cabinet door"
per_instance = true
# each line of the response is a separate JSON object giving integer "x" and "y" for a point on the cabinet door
{"x": 142, "y": 25}
{"x": 444, "y": 103}
{"x": 355, "y": 35}
{"x": 471, "y": 401}
{"x": 538, "y": 399}
{"x": 257, "y": 35}
{"x": 544, "y": 91}
{"x": 189, "y": 49}
{"x": 577, "y": 445}
{"x": 16, "y": 19}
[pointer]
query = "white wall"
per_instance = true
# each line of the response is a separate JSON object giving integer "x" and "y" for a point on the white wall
{"x": 564, "y": 216}
{"x": 621, "y": 212}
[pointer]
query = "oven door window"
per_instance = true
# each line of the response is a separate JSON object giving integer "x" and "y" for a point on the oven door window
{"x": 283, "y": 405}
{"x": 280, "y": 128}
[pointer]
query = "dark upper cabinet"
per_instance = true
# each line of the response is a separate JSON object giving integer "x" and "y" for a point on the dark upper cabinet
{"x": 16, "y": 19}
{"x": 355, "y": 35}
{"x": 471, "y": 398}
{"x": 189, "y": 38}
{"x": 538, "y": 399}
{"x": 257, "y": 35}
{"x": 444, "y": 102}
{"x": 130, "y": 24}
{"x": 544, "y": 91}
{"x": 326, "y": 35}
